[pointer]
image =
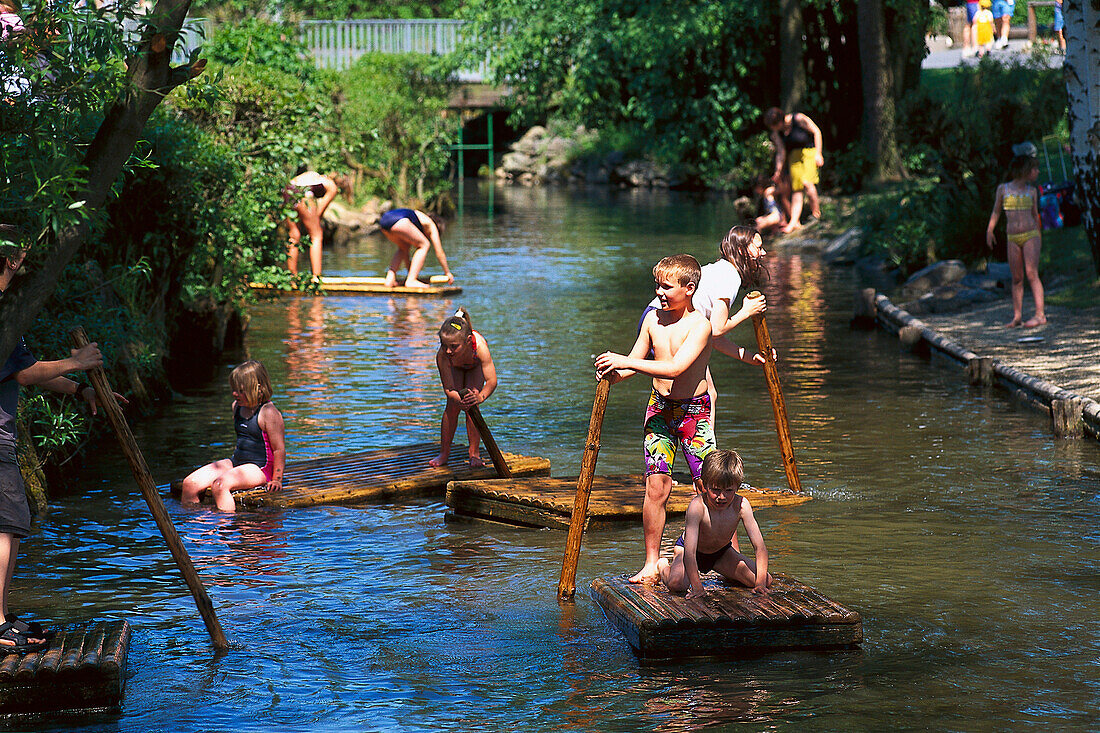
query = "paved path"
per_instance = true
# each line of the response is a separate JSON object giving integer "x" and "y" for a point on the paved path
{"x": 941, "y": 56}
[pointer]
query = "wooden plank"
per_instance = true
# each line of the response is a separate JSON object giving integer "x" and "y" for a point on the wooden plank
{"x": 728, "y": 621}
{"x": 366, "y": 286}
{"x": 385, "y": 474}
{"x": 546, "y": 502}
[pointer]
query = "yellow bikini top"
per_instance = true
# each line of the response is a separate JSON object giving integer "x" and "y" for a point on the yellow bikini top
{"x": 1017, "y": 201}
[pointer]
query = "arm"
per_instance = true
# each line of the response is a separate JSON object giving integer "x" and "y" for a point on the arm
{"x": 42, "y": 372}
{"x": 1035, "y": 210}
{"x": 63, "y": 385}
{"x": 780, "y": 156}
{"x": 331, "y": 189}
{"x": 721, "y": 322}
{"x": 692, "y": 347}
{"x": 752, "y": 529}
{"x": 727, "y": 347}
{"x": 691, "y": 543}
{"x": 816, "y": 132}
{"x": 447, "y": 376}
{"x": 488, "y": 370}
{"x": 437, "y": 245}
{"x": 271, "y": 422}
{"x": 994, "y": 217}
{"x": 642, "y": 346}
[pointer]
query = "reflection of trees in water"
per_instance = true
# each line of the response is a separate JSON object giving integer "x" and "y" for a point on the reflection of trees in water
{"x": 409, "y": 350}
{"x": 307, "y": 364}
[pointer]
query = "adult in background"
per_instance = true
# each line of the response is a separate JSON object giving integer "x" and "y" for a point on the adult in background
{"x": 311, "y": 193}
{"x": 797, "y": 143}
{"x": 411, "y": 229}
{"x": 1002, "y": 11}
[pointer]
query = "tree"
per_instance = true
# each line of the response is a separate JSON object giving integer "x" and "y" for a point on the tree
{"x": 792, "y": 66}
{"x": 75, "y": 52}
{"x": 1082, "y": 73}
{"x": 879, "y": 92}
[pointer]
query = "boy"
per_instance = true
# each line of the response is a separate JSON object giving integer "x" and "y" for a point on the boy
{"x": 711, "y": 530}
{"x": 679, "y": 406}
{"x": 21, "y": 368}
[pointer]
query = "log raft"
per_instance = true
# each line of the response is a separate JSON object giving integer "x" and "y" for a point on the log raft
{"x": 82, "y": 668}
{"x": 544, "y": 502}
{"x": 730, "y": 621}
{"x": 366, "y": 286}
{"x": 386, "y": 474}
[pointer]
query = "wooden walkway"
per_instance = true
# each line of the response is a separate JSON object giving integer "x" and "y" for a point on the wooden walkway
{"x": 385, "y": 474}
{"x": 81, "y": 668}
{"x": 729, "y": 621}
{"x": 548, "y": 502}
{"x": 366, "y": 286}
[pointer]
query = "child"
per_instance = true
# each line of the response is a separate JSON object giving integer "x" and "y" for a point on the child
{"x": 983, "y": 28}
{"x": 409, "y": 229}
{"x": 708, "y": 542}
{"x": 969, "y": 37}
{"x": 468, "y": 375}
{"x": 311, "y": 193}
{"x": 772, "y": 217}
{"x": 260, "y": 456}
{"x": 1020, "y": 202}
{"x": 679, "y": 406}
{"x": 797, "y": 141}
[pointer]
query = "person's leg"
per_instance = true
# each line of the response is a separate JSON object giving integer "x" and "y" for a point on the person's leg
{"x": 246, "y": 476}
{"x": 673, "y": 574}
{"x": 812, "y": 200}
{"x": 447, "y": 427}
{"x": 398, "y": 260}
{"x": 316, "y": 233}
{"x": 407, "y": 237}
{"x": 658, "y": 486}
{"x": 9, "y": 549}
{"x": 1016, "y": 265}
{"x": 1031, "y": 273}
{"x": 202, "y": 479}
{"x": 474, "y": 379}
{"x": 739, "y": 568}
{"x": 295, "y": 236}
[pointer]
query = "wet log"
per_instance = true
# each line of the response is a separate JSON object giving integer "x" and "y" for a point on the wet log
{"x": 775, "y": 391}
{"x": 979, "y": 370}
{"x": 865, "y": 311}
{"x": 367, "y": 286}
{"x": 499, "y": 463}
{"x": 1067, "y": 417}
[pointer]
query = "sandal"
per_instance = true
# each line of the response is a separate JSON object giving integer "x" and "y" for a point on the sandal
{"x": 19, "y": 643}
{"x": 33, "y": 629}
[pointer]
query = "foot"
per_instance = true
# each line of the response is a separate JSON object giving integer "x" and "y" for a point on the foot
{"x": 391, "y": 279}
{"x": 1035, "y": 322}
{"x": 1014, "y": 323}
{"x": 12, "y": 641}
{"x": 647, "y": 575}
{"x": 792, "y": 226}
{"x": 410, "y": 283}
{"x": 476, "y": 462}
{"x": 440, "y": 460}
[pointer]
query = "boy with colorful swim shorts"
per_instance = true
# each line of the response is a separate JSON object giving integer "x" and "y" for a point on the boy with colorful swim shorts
{"x": 679, "y": 406}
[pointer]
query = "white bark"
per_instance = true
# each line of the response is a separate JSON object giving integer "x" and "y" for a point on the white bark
{"x": 1082, "y": 73}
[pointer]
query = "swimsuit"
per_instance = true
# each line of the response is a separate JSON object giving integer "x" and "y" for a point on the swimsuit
{"x": 668, "y": 421}
{"x": 252, "y": 443}
{"x": 706, "y": 560}
{"x": 1022, "y": 238}
{"x": 391, "y": 217}
{"x": 1019, "y": 202}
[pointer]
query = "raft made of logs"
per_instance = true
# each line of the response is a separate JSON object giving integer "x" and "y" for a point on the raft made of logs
{"x": 385, "y": 474}
{"x": 729, "y": 621}
{"x": 81, "y": 668}
{"x": 367, "y": 286}
{"x": 544, "y": 502}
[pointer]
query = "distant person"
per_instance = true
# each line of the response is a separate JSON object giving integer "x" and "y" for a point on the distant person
{"x": 984, "y": 28}
{"x": 411, "y": 229}
{"x": 678, "y": 412}
{"x": 771, "y": 216}
{"x": 1059, "y": 26}
{"x": 970, "y": 46}
{"x": 797, "y": 143}
{"x": 1002, "y": 11}
{"x": 469, "y": 376}
{"x": 710, "y": 533}
{"x": 310, "y": 193}
{"x": 1020, "y": 201}
{"x": 260, "y": 455}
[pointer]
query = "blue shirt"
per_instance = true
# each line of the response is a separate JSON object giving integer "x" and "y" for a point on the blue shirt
{"x": 20, "y": 359}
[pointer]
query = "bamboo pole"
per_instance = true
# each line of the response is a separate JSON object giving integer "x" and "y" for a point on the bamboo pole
{"x": 566, "y": 586}
{"x": 499, "y": 463}
{"x": 106, "y": 399}
{"x": 779, "y": 407}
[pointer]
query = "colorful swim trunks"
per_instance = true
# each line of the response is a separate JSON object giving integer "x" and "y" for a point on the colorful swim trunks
{"x": 668, "y": 422}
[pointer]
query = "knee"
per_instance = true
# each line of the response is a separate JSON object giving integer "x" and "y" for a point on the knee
{"x": 658, "y": 487}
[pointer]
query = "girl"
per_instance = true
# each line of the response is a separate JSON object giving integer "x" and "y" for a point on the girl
{"x": 771, "y": 216}
{"x": 1020, "y": 202}
{"x": 468, "y": 375}
{"x": 797, "y": 141}
{"x": 411, "y": 229}
{"x": 311, "y": 193}
{"x": 260, "y": 456}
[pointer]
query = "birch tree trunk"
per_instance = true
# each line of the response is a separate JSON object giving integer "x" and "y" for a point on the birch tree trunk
{"x": 1082, "y": 73}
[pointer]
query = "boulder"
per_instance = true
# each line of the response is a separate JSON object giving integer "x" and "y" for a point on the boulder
{"x": 532, "y": 141}
{"x": 949, "y": 299}
{"x": 843, "y": 249}
{"x": 931, "y": 277}
{"x": 877, "y": 273}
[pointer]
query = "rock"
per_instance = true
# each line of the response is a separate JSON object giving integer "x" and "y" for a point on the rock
{"x": 931, "y": 277}
{"x": 532, "y": 141}
{"x": 343, "y": 224}
{"x": 877, "y": 273}
{"x": 843, "y": 249}
{"x": 516, "y": 162}
{"x": 949, "y": 299}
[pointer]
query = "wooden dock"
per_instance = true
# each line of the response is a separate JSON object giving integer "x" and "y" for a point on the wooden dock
{"x": 385, "y": 474}
{"x": 729, "y": 621}
{"x": 546, "y": 502}
{"x": 83, "y": 667}
{"x": 366, "y": 286}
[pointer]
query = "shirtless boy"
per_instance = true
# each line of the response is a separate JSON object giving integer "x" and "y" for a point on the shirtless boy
{"x": 679, "y": 407}
{"x": 708, "y": 539}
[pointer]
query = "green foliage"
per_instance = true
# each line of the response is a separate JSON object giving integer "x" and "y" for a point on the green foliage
{"x": 235, "y": 10}
{"x": 273, "y": 46}
{"x": 55, "y": 422}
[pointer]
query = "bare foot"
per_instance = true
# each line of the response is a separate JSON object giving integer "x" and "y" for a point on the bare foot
{"x": 647, "y": 575}
{"x": 416, "y": 284}
{"x": 391, "y": 279}
{"x": 1036, "y": 322}
{"x": 1014, "y": 323}
{"x": 440, "y": 460}
{"x": 476, "y": 462}
{"x": 792, "y": 226}
{"x": 662, "y": 569}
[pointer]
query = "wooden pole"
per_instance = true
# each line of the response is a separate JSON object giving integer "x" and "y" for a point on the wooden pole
{"x": 566, "y": 586}
{"x": 782, "y": 427}
{"x": 499, "y": 463}
{"x": 106, "y": 399}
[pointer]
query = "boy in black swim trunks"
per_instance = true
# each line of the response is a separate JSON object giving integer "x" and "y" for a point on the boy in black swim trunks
{"x": 708, "y": 539}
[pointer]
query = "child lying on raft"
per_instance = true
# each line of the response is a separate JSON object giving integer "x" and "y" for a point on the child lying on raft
{"x": 469, "y": 376}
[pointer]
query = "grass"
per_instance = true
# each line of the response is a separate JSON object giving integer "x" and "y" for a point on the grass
{"x": 1068, "y": 271}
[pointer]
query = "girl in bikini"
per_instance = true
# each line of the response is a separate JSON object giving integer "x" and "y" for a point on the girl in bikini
{"x": 468, "y": 375}
{"x": 1020, "y": 201}
{"x": 260, "y": 456}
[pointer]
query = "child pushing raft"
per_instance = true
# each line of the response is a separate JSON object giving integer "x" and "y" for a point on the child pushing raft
{"x": 469, "y": 376}
{"x": 260, "y": 457}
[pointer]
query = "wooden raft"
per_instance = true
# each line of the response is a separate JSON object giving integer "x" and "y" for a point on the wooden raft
{"x": 82, "y": 667}
{"x": 367, "y": 286}
{"x": 546, "y": 502}
{"x": 728, "y": 621}
{"x": 376, "y": 475}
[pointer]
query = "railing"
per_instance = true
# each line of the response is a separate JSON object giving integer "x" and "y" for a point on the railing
{"x": 192, "y": 35}
{"x": 336, "y": 44}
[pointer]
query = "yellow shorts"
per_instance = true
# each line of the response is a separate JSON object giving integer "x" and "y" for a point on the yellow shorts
{"x": 803, "y": 166}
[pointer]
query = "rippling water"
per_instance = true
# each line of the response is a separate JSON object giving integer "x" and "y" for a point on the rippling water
{"x": 961, "y": 530}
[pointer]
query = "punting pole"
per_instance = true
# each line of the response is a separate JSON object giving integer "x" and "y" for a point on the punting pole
{"x": 106, "y": 399}
{"x": 782, "y": 427}
{"x": 499, "y": 463}
{"x": 566, "y": 586}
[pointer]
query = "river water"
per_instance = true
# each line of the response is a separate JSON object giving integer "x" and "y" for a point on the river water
{"x": 964, "y": 534}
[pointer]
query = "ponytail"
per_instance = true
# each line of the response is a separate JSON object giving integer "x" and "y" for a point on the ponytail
{"x": 457, "y": 327}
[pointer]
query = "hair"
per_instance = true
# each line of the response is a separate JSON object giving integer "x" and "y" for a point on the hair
{"x": 301, "y": 169}
{"x": 250, "y": 379}
{"x": 722, "y": 469}
{"x": 774, "y": 117}
{"x": 457, "y": 328}
{"x": 763, "y": 181}
{"x": 683, "y": 269}
{"x": 13, "y": 234}
{"x": 735, "y": 250}
{"x": 1021, "y": 165}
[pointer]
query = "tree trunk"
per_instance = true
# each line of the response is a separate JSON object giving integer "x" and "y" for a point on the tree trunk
{"x": 150, "y": 77}
{"x": 792, "y": 66}
{"x": 1082, "y": 73}
{"x": 879, "y": 116}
